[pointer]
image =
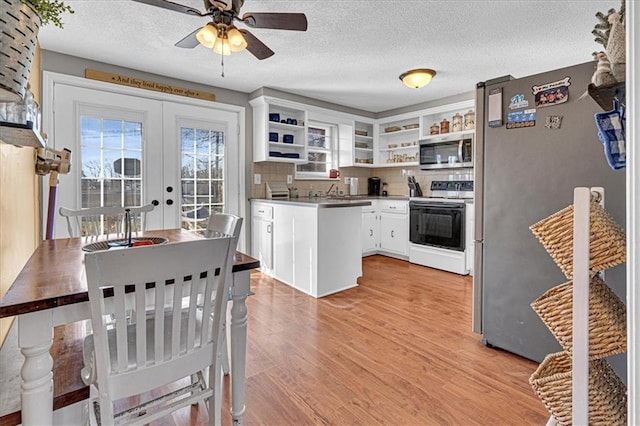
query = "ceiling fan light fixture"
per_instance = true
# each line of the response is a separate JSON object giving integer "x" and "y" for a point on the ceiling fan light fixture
{"x": 417, "y": 78}
{"x": 236, "y": 40}
{"x": 207, "y": 36}
{"x": 221, "y": 47}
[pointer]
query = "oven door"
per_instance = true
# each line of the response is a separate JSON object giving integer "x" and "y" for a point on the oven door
{"x": 437, "y": 224}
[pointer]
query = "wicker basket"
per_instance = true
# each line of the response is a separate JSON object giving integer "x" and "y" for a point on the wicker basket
{"x": 607, "y": 318}
{"x": 607, "y": 242}
{"x": 19, "y": 26}
{"x": 607, "y": 394}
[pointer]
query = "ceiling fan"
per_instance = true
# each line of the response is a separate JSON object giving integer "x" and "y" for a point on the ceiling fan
{"x": 221, "y": 34}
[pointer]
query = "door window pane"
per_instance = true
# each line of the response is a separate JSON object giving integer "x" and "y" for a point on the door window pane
{"x": 201, "y": 175}
{"x": 111, "y": 164}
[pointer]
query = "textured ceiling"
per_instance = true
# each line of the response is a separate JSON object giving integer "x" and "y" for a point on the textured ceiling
{"x": 353, "y": 51}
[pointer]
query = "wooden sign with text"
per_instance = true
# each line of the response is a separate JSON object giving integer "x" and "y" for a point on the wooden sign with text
{"x": 147, "y": 84}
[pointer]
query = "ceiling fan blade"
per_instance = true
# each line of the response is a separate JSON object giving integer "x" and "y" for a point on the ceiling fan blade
{"x": 277, "y": 21}
{"x": 255, "y": 46}
{"x": 190, "y": 41}
{"x": 173, "y": 6}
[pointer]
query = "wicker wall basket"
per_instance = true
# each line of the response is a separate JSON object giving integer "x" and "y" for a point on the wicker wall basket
{"x": 607, "y": 394}
{"x": 607, "y": 242}
{"x": 19, "y": 26}
{"x": 607, "y": 318}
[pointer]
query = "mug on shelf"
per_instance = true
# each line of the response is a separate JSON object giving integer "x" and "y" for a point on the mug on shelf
{"x": 334, "y": 173}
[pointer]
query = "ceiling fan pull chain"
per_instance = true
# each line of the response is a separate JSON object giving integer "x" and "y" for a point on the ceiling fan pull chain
{"x": 222, "y": 58}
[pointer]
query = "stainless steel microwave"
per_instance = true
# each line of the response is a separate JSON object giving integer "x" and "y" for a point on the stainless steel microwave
{"x": 446, "y": 154}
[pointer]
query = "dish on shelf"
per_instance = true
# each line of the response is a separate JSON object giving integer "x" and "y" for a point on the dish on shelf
{"x": 291, "y": 155}
{"x": 361, "y": 145}
{"x": 364, "y": 160}
{"x": 361, "y": 132}
{"x": 410, "y": 126}
{"x": 405, "y": 144}
{"x": 392, "y": 129}
{"x": 392, "y": 145}
{"x": 275, "y": 154}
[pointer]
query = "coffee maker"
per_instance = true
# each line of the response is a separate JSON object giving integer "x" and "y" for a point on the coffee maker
{"x": 374, "y": 186}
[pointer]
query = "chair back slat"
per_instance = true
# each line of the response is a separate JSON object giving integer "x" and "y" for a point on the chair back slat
{"x": 176, "y": 319}
{"x": 141, "y": 324}
{"x": 192, "y": 328}
{"x": 120, "y": 314}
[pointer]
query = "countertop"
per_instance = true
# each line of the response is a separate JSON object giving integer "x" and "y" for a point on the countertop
{"x": 321, "y": 202}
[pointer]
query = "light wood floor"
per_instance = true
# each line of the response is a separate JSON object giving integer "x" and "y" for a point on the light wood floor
{"x": 397, "y": 350}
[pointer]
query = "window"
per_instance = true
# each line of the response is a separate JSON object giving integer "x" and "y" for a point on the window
{"x": 322, "y": 152}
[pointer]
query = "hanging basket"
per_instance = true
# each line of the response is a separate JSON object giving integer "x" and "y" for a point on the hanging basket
{"x": 19, "y": 25}
{"x": 607, "y": 242}
{"x": 607, "y": 394}
{"x": 607, "y": 318}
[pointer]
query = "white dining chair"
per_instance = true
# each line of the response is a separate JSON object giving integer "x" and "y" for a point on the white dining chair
{"x": 139, "y": 216}
{"x": 220, "y": 225}
{"x": 151, "y": 350}
{"x": 92, "y": 222}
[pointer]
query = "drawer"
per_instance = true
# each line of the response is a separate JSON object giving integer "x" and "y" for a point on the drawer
{"x": 393, "y": 206}
{"x": 371, "y": 208}
{"x": 262, "y": 210}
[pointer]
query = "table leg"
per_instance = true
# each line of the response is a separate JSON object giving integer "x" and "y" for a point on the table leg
{"x": 241, "y": 289}
{"x": 35, "y": 337}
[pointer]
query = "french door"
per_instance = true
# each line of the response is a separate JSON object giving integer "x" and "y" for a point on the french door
{"x": 131, "y": 151}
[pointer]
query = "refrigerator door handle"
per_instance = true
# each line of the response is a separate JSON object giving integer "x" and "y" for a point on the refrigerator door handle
{"x": 460, "y": 145}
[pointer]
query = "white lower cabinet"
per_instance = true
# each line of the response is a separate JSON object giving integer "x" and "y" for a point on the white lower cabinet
{"x": 385, "y": 228}
{"x": 370, "y": 229}
{"x": 394, "y": 233}
{"x": 262, "y": 236}
{"x": 315, "y": 250}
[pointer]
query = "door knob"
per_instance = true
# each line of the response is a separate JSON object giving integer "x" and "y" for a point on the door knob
{"x": 169, "y": 202}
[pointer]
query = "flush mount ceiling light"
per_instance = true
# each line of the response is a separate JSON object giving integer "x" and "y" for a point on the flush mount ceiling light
{"x": 417, "y": 78}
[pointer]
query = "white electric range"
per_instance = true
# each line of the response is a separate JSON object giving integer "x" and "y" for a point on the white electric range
{"x": 441, "y": 227}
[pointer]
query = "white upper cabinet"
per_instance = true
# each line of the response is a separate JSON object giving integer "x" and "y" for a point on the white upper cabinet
{"x": 448, "y": 122}
{"x": 279, "y": 131}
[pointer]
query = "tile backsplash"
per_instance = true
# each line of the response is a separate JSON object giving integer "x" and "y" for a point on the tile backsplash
{"x": 394, "y": 177}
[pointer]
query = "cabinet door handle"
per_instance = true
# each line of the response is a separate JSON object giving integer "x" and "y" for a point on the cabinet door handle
{"x": 371, "y": 232}
{"x": 391, "y": 234}
{"x": 268, "y": 228}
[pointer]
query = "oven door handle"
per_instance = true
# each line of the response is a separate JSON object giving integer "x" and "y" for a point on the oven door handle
{"x": 448, "y": 206}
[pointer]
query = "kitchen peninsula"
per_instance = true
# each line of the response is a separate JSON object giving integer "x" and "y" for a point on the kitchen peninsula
{"x": 312, "y": 244}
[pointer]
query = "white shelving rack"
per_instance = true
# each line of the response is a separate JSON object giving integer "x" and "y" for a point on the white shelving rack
{"x": 580, "y": 353}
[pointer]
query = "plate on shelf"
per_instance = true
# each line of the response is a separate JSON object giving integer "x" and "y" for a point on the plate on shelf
{"x": 392, "y": 129}
{"x": 392, "y": 145}
{"x": 361, "y": 145}
{"x": 411, "y": 126}
{"x": 291, "y": 155}
{"x": 361, "y": 133}
{"x": 405, "y": 144}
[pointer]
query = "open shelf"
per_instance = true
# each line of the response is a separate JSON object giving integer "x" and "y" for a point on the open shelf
{"x": 604, "y": 95}
{"x": 21, "y": 134}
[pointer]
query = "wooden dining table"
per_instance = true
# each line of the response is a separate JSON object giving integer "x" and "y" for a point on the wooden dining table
{"x": 51, "y": 290}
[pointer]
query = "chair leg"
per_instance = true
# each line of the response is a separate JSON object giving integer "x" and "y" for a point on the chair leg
{"x": 224, "y": 359}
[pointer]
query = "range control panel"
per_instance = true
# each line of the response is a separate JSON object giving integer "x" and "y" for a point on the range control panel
{"x": 452, "y": 185}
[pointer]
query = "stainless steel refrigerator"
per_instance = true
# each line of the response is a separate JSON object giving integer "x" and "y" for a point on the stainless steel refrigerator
{"x": 525, "y": 170}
